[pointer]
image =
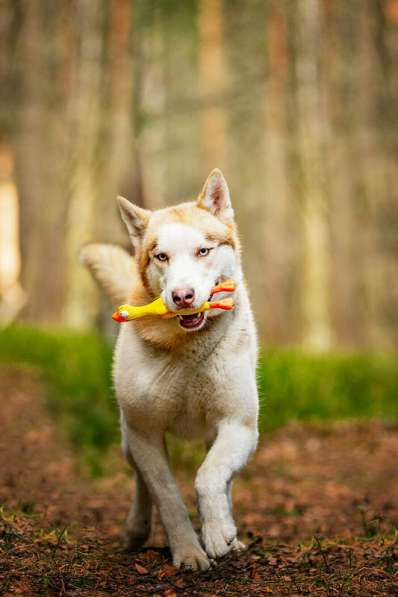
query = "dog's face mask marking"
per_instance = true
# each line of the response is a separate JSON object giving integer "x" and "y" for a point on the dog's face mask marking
{"x": 184, "y": 266}
{"x": 184, "y": 251}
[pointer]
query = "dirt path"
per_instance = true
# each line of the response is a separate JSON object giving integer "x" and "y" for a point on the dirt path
{"x": 318, "y": 507}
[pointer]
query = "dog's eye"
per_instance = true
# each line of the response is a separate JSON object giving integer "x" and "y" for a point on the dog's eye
{"x": 203, "y": 252}
{"x": 161, "y": 257}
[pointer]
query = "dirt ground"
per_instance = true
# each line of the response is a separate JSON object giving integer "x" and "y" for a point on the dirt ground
{"x": 317, "y": 506}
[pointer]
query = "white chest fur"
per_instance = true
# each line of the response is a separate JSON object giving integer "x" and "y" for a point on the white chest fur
{"x": 190, "y": 392}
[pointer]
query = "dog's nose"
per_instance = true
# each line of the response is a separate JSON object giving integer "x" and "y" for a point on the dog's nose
{"x": 183, "y": 297}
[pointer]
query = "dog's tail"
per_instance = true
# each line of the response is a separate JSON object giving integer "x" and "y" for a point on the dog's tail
{"x": 113, "y": 268}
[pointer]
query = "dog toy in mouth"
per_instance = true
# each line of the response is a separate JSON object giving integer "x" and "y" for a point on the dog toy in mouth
{"x": 158, "y": 308}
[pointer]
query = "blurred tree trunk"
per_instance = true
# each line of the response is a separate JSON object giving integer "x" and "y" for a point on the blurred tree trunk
{"x": 387, "y": 44}
{"x": 40, "y": 163}
{"x": 281, "y": 258}
{"x": 181, "y": 150}
{"x": 167, "y": 128}
{"x": 118, "y": 170}
{"x": 347, "y": 208}
{"x": 376, "y": 168}
{"x": 149, "y": 97}
{"x": 116, "y": 167}
{"x": 12, "y": 297}
{"x": 84, "y": 113}
{"x": 245, "y": 140}
{"x": 211, "y": 72}
{"x": 311, "y": 133}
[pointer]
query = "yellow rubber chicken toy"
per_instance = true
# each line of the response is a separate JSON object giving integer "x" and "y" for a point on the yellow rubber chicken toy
{"x": 158, "y": 308}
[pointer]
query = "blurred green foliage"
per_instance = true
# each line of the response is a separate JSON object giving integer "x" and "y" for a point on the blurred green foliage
{"x": 298, "y": 386}
{"x": 76, "y": 368}
{"x": 294, "y": 386}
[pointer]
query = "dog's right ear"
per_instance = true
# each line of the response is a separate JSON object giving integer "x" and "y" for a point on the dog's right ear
{"x": 136, "y": 218}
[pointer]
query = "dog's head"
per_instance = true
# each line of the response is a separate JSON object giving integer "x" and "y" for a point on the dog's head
{"x": 183, "y": 251}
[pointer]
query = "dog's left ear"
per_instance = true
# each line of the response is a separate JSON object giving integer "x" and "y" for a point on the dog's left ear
{"x": 215, "y": 197}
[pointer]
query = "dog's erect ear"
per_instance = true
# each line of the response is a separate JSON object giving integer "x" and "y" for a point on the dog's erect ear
{"x": 135, "y": 218}
{"x": 215, "y": 197}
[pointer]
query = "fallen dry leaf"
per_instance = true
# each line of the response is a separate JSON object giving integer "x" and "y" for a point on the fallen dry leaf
{"x": 141, "y": 569}
{"x": 167, "y": 570}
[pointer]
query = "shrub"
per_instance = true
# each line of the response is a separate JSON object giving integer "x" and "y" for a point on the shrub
{"x": 293, "y": 386}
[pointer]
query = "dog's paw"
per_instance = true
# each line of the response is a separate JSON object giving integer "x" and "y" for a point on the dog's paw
{"x": 190, "y": 556}
{"x": 238, "y": 545}
{"x": 136, "y": 537}
{"x": 219, "y": 538}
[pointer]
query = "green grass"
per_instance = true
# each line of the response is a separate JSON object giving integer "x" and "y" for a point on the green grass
{"x": 293, "y": 386}
{"x": 77, "y": 371}
{"x": 297, "y": 386}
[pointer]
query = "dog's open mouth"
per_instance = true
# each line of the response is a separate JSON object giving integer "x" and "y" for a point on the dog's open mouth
{"x": 191, "y": 322}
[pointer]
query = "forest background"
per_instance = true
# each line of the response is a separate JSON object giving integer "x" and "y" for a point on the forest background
{"x": 294, "y": 101}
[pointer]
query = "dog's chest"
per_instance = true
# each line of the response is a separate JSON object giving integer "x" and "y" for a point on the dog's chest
{"x": 178, "y": 394}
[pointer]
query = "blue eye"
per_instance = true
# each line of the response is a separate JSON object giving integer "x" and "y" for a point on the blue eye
{"x": 161, "y": 257}
{"x": 203, "y": 252}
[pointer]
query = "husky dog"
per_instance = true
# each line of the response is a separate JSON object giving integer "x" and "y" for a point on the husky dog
{"x": 193, "y": 375}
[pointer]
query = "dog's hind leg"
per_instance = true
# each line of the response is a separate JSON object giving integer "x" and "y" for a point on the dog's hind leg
{"x": 234, "y": 444}
{"x": 150, "y": 456}
{"x": 138, "y": 525}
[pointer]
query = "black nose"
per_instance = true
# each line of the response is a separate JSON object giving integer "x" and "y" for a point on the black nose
{"x": 183, "y": 297}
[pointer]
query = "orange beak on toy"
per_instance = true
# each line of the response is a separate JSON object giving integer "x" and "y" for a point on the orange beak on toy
{"x": 117, "y": 317}
{"x": 227, "y": 286}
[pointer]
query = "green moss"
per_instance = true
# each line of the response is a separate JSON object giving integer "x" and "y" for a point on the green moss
{"x": 293, "y": 385}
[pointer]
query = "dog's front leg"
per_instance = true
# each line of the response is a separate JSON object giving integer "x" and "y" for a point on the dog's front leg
{"x": 234, "y": 444}
{"x": 150, "y": 457}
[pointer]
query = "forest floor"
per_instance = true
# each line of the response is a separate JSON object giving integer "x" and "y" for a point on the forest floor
{"x": 317, "y": 506}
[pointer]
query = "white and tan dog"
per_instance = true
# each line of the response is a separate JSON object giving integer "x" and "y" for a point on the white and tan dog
{"x": 192, "y": 376}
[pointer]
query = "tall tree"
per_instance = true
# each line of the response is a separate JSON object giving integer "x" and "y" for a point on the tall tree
{"x": 84, "y": 113}
{"x": 312, "y": 125}
{"x": 245, "y": 69}
{"x": 40, "y": 148}
{"x": 12, "y": 297}
{"x": 281, "y": 258}
{"x": 212, "y": 85}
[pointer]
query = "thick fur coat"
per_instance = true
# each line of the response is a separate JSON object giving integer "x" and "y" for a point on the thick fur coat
{"x": 193, "y": 377}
